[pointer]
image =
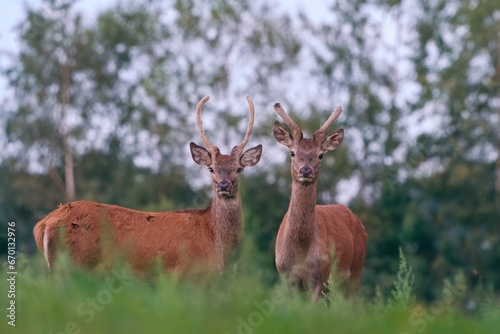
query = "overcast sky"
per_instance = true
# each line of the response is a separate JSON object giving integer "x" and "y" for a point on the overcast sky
{"x": 391, "y": 51}
{"x": 12, "y": 12}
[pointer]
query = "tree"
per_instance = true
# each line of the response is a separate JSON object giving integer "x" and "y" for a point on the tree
{"x": 49, "y": 81}
{"x": 457, "y": 65}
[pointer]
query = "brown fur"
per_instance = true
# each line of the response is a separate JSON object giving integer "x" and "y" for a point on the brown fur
{"x": 183, "y": 241}
{"x": 309, "y": 246}
{"x": 315, "y": 241}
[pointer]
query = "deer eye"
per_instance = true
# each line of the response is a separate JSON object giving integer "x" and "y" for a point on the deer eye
{"x": 210, "y": 169}
{"x": 292, "y": 153}
{"x": 239, "y": 170}
{"x": 320, "y": 156}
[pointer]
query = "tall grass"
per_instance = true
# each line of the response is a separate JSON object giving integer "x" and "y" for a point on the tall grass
{"x": 403, "y": 285}
{"x": 245, "y": 298}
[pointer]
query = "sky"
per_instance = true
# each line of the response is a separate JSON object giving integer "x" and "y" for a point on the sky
{"x": 12, "y": 12}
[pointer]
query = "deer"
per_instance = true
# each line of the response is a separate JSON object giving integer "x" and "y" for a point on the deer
{"x": 184, "y": 242}
{"x": 316, "y": 241}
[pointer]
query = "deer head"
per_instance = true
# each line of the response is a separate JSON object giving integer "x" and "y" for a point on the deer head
{"x": 306, "y": 153}
{"x": 225, "y": 169}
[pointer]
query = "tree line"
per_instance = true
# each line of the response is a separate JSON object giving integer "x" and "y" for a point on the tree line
{"x": 104, "y": 110}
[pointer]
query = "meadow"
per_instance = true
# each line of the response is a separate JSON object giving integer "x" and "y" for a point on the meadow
{"x": 245, "y": 298}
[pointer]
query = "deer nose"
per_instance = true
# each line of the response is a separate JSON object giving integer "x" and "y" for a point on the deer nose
{"x": 306, "y": 171}
{"x": 224, "y": 185}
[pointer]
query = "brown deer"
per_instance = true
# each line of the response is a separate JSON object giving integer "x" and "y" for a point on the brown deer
{"x": 183, "y": 241}
{"x": 315, "y": 241}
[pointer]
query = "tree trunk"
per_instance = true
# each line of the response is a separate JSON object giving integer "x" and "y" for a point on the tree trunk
{"x": 68, "y": 154}
{"x": 495, "y": 83}
{"x": 497, "y": 178}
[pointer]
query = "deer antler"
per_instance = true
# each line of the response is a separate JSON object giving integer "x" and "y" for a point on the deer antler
{"x": 296, "y": 131}
{"x": 239, "y": 148}
{"x": 333, "y": 117}
{"x": 199, "y": 107}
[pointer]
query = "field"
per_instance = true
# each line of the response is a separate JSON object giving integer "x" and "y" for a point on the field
{"x": 244, "y": 299}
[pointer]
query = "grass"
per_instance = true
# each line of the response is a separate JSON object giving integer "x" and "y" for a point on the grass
{"x": 243, "y": 299}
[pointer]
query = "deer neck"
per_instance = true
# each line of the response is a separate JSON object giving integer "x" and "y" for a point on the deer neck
{"x": 301, "y": 213}
{"x": 227, "y": 220}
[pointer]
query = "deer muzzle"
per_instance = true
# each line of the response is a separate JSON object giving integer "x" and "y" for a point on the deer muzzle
{"x": 225, "y": 188}
{"x": 305, "y": 174}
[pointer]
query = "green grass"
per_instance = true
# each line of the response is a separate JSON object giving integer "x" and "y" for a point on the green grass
{"x": 243, "y": 299}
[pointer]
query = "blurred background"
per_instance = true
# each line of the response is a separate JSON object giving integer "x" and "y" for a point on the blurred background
{"x": 98, "y": 103}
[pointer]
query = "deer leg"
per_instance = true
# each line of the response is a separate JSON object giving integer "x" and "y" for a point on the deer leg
{"x": 320, "y": 290}
{"x": 351, "y": 286}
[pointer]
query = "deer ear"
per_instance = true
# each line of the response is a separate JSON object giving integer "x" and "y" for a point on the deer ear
{"x": 282, "y": 135}
{"x": 251, "y": 156}
{"x": 200, "y": 155}
{"x": 333, "y": 140}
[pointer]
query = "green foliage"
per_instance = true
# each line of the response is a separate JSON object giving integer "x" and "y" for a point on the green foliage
{"x": 236, "y": 301}
{"x": 265, "y": 204}
{"x": 402, "y": 293}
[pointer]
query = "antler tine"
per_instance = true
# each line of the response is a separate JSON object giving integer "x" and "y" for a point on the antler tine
{"x": 199, "y": 107}
{"x": 296, "y": 131}
{"x": 249, "y": 127}
{"x": 333, "y": 117}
